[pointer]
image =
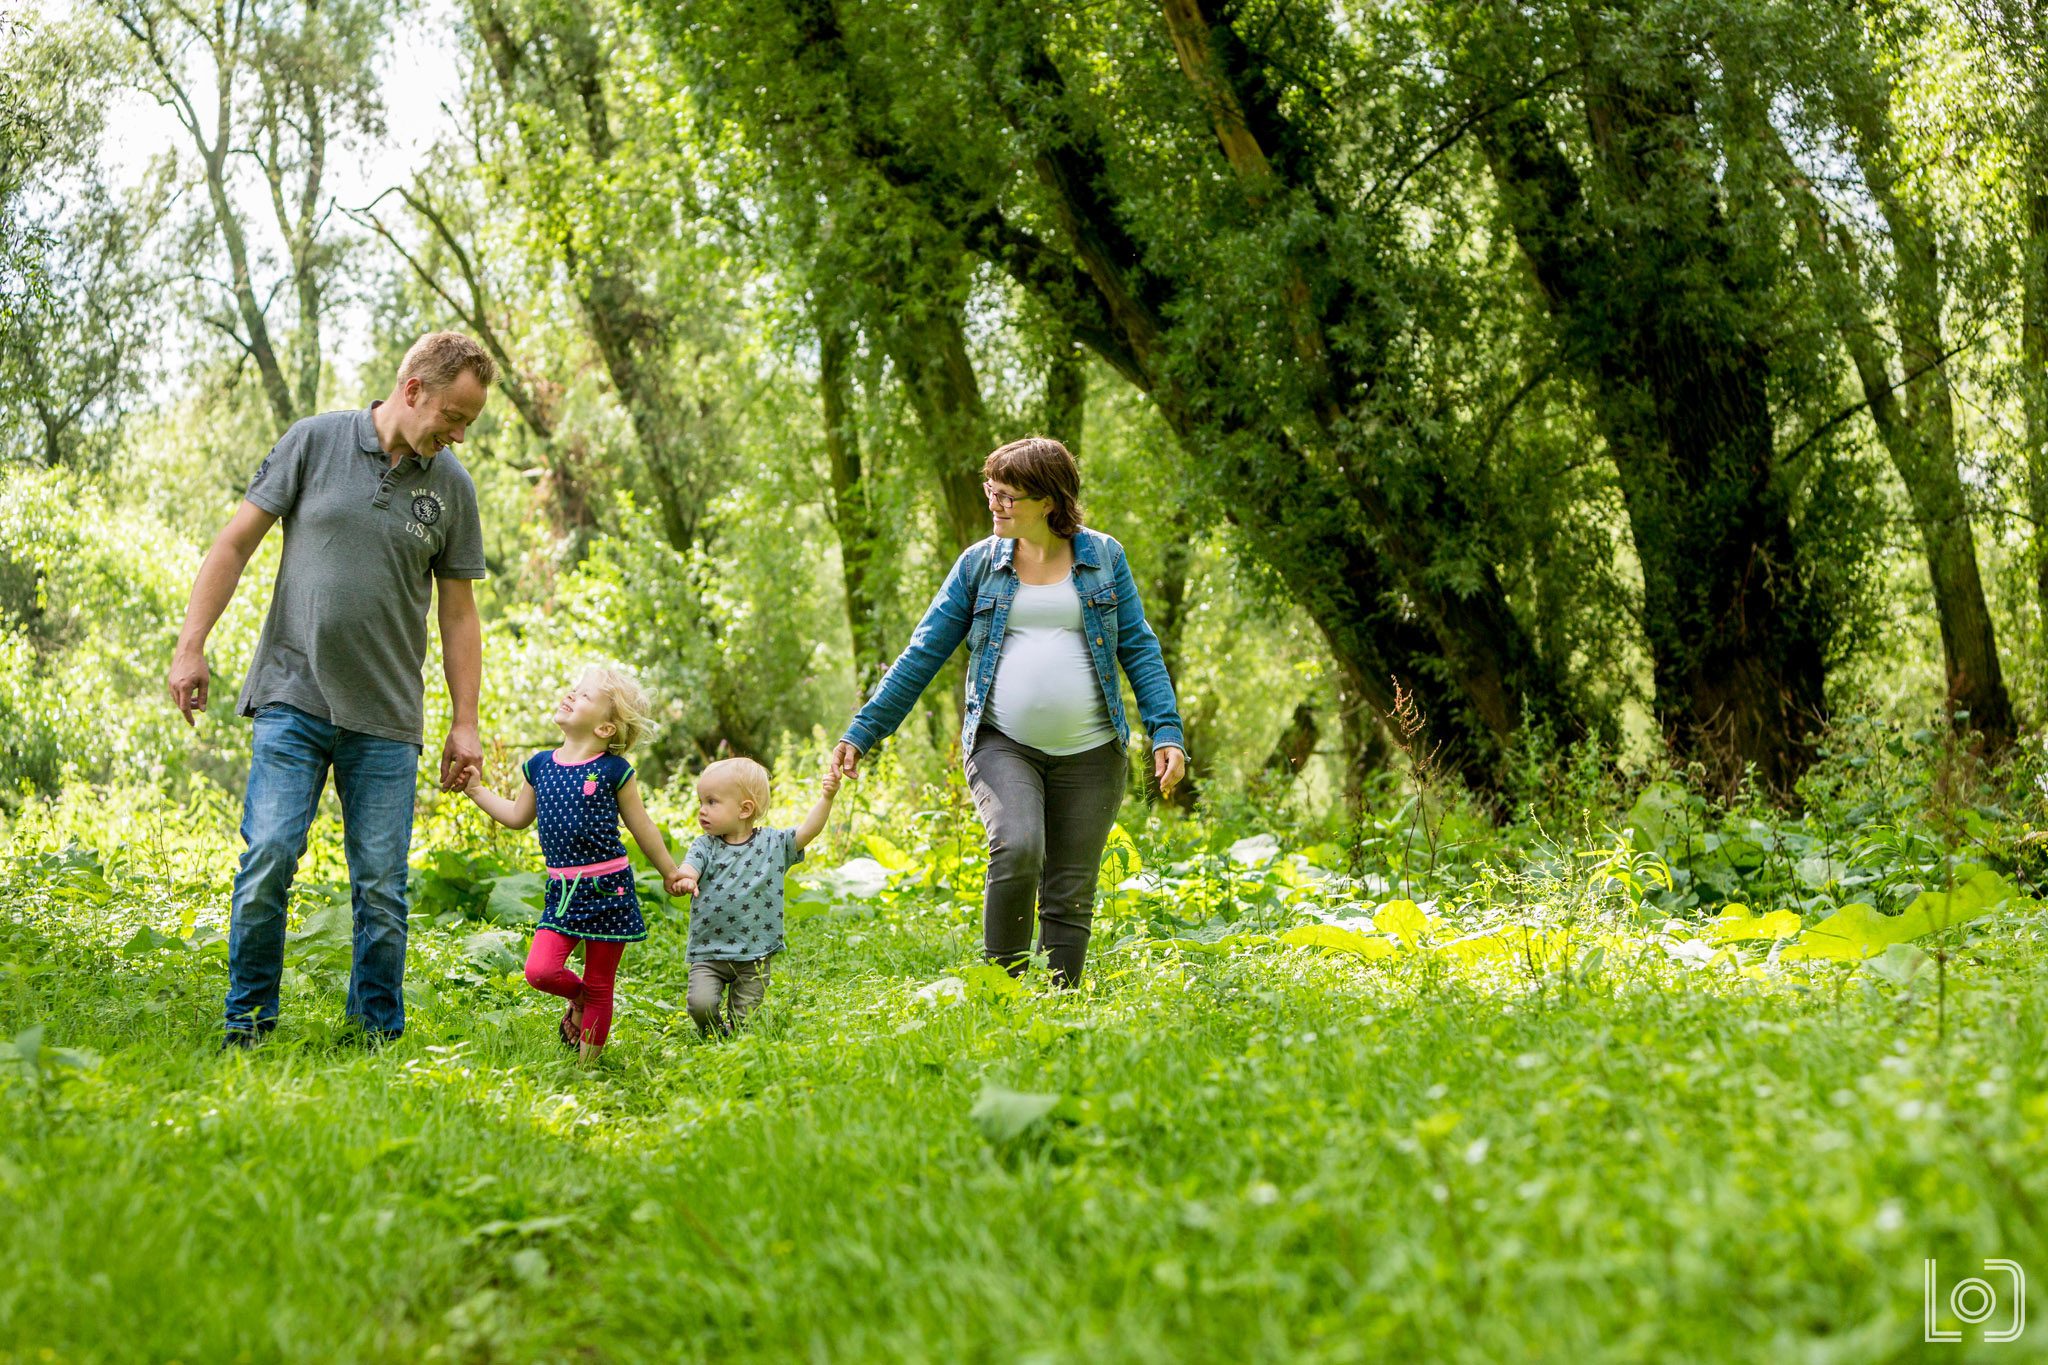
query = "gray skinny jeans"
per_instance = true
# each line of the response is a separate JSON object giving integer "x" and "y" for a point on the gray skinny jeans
{"x": 1048, "y": 819}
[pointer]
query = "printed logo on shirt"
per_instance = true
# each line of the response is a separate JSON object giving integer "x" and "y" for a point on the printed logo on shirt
{"x": 426, "y": 510}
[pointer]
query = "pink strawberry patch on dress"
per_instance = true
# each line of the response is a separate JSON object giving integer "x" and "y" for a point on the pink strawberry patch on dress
{"x": 590, "y": 786}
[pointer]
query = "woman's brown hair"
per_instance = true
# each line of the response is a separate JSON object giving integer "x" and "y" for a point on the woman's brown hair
{"x": 1040, "y": 467}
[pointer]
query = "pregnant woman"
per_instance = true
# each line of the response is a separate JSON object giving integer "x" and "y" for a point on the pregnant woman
{"x": 1048, "y": 610}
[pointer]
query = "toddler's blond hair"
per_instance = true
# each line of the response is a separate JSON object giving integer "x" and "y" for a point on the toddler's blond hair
{"x": 631, "y": 714}
{"x": 749, "y": 777}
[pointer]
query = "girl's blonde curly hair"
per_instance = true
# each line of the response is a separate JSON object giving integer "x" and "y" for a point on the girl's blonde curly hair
{"x": 632, "y": 715}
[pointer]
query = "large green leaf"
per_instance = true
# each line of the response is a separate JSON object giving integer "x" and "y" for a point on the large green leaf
{"x": 1857, "y": 931}
{"x": 1736, "y": 924}
{"x": 328, "y": 933}
{"x": 1403, "y": 919}
{"x": 1338, "y": 939}
{"x": 1971, "y": 898}
{"x": 1003, "y": 1115}
{"x": 516, "y": 898}
{"x": 495, "y": 950}
{"x": 888, "y": 854}
{"x": 1852, "y": 933}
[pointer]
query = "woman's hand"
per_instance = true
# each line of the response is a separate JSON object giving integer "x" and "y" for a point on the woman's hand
{"x": 1169, "y": 765}
{"x": 846, "y": 760}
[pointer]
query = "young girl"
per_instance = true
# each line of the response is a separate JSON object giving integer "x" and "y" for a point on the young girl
{"x": 733, "y": 876}
{"x": 579, "y": 793}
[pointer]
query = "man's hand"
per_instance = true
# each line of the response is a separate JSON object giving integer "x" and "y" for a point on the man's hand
{"x": 187, "y": 682}
{"x": 218, "y": 574}
{"x": 1169, "y": 765}
{"x": 845, "y": 760}
{"x": 463, "y": 751}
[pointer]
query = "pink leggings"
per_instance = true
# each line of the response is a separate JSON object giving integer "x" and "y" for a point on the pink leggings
{"x": 547, "y": 969}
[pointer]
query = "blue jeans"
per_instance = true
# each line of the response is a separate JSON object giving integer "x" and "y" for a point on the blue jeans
{"x": 375, "y": 780}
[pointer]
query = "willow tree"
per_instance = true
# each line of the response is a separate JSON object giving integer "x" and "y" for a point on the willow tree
{"x": 277, "y": 87}
{"x": 607, "y": 187}
{"x": 1898, "y": 296}
{"x": 2011, "y": 37}
{"x": 1606, "y": 136}
{"x": 76, "y": 278}
{"x": 1205, "y": 198}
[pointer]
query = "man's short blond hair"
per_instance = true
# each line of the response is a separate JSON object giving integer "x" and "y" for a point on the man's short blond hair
{"x": 436, "y": 358}
{"x": 747, "y": 777}
{"x": 631, "y": 713}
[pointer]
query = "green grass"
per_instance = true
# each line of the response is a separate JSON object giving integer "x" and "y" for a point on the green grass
{"x": 1253, "y": 1151}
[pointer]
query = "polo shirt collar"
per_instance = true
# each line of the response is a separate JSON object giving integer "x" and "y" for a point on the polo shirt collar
{"x": 366, "y": 433}
{"x": 369, "y": 442}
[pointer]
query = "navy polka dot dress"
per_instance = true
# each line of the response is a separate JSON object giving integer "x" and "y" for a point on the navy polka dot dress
{"x": 590, "y": 882}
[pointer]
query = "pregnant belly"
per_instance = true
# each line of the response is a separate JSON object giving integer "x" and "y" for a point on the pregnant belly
{"x": 1046, "y": 693}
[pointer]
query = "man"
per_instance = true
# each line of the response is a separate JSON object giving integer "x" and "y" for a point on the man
{"x": 379, "y": 517}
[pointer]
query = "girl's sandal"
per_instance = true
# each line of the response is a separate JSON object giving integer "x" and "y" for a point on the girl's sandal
{"x": 571, "y": 1029}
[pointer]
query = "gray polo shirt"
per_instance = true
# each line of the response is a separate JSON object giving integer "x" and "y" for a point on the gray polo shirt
{"x": 364, "y": 540}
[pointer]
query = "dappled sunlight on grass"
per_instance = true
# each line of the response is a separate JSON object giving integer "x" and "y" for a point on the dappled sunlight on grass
{"x": 1528, "y": 1110}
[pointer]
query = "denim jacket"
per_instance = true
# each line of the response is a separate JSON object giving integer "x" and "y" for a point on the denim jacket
{"x": 974, "y": 605}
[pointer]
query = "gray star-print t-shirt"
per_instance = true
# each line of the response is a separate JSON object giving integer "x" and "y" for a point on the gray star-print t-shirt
{"x": 737, "y": 913}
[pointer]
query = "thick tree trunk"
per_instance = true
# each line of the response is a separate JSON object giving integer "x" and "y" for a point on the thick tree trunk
{"x": 1296, "y": 517}
{"x": 1736, "y": 644}
{"x": 2034, "y": 353}
{"x": 1368, "y": 572}
{"x": 1066, "y": 396}
{"x": 256, "y": 338}
{"x": 1292, "y": 751}
{"x": 1366, "y": 750}
{"x": 1923, "y": 453}
{"x": 930, "y": 349}
{"x": 1166, "y": 601}
{"x": 852, "y": 517}
{"x": 1919, "y": 432}
{"x": 624, "y": 317}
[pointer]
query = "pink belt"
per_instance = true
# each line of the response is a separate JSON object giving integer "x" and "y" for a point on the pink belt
{"x": 619, "y": 864}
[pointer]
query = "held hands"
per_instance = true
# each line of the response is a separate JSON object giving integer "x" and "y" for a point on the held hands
{"x": 845, "y": 761}
{"x": 829, "y": 786}
{"x": 462, "y": 753}
{"x": 682, "y": 882}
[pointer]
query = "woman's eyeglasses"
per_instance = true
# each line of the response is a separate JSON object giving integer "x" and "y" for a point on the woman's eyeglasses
{"x": 1002, "y": 501}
